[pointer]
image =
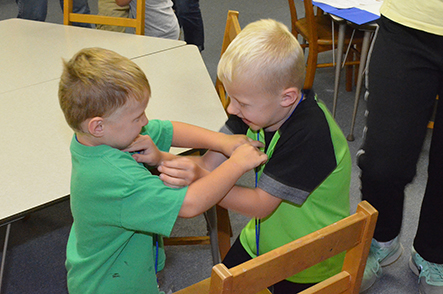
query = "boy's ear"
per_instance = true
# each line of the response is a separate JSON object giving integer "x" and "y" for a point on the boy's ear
{"x": 96, "y": 126}
{"x": 290, "y": 96}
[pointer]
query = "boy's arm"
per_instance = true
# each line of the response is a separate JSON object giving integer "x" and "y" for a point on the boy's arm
{"x": 184, "y": 170}
{"x": 190, "y": 136}
{"x": 253, "y": 202}
{"x": 210, "y": 189}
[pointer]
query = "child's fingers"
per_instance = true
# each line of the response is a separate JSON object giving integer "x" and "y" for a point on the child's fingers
{"x": 173, "y": 182}
{"x": 257, "y": 144}
{"x": 172, "y": 171}
{"x": 179, "y": 163}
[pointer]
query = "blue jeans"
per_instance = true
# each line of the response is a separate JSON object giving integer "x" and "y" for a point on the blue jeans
{"x": 37, "y": 9}
{"x": 190, "y": 19}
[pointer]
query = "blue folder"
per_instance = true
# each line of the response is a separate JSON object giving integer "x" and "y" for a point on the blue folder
{"x": 354, "y": 15}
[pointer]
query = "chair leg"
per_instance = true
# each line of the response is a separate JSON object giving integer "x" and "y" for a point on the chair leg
{"x": 349, "y": 73}
{"x": 211, "y": 220}
{"x": 311, "y": 67}
{"x": 224, "y": 231}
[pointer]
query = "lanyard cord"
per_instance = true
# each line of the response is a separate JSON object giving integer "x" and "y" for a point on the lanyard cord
{"x": 156, "y": 255}
{"x": 257, "y": 220}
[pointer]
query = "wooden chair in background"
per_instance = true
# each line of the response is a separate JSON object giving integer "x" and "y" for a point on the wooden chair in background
{"x": 317, "y": 31}
{"x": 352, "y": 234}
{"x": 431, "y": 122}
{"x": 138, "y": 23}
{"x": 232, "y": 29}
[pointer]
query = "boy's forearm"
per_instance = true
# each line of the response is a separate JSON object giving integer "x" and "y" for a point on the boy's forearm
{"x": 209, "y": 190}
{"x": 252, "y": 202}
{"x": 190, "y": 136}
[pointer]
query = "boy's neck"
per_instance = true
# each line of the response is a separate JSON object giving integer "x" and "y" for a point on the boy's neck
{"x": 87, "y": 140}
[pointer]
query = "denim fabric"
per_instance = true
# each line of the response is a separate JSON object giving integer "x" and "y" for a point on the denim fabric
{"x": 38, "y": 9}
{"x": 190, "y": 19}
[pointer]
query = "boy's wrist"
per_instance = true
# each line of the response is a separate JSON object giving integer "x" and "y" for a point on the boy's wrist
{"x": 165, "y": 156}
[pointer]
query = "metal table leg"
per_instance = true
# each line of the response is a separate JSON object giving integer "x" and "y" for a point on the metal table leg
{"x": 339, "y": 55}
{"x": 5, "y": 248}
{"x": 361, "y": 70}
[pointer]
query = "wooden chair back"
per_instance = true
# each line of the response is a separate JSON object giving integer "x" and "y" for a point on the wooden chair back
{"x": 317, "y": 30}
{"x": 232, "y": 29}
{"x": 138, "y": 23}
{"x": 352, "y": 234}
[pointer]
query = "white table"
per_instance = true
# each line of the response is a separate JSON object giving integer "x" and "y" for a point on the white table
{"x": 35, "y": 139}
{"x": 32, "y": 51}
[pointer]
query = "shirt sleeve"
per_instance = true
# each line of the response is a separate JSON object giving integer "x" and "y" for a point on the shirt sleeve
{"x": 161, "y": 132}
{"x": 149, "y": 205}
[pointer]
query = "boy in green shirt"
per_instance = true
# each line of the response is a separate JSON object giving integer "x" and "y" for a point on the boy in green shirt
{"x": 120, "y": 209}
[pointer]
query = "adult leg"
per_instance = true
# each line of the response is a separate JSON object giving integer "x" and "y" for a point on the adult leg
{"x": 402, "y": 93}
{"x": 32, "y": 9}
{"x": 79, "y": 6}
{"x": 429, "y": 239}
{"x": 190, "y": 18}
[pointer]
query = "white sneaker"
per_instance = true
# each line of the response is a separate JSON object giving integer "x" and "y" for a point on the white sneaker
{"x": 380, "y": 255}
{"x": 430, "y": 275}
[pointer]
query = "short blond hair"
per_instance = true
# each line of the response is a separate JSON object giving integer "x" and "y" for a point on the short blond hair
{"x": 266, "y": 52}
{"x": 95, "y": 82}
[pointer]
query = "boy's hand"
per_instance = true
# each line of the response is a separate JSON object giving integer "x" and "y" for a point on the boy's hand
{"x": 231, "y": 142}
{"x": 180, "y": 172}
{"x": 248, "y": 157}
{"x": 146, "y": 150}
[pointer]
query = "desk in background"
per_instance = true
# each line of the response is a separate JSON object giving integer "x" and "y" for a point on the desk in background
{"x": 361, "y": 20}
{"x": 32, "y": 51}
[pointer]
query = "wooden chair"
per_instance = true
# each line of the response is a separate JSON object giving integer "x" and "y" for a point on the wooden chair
{"x": 316, "y": 30}
{"x": 138, "y": 23}
{"x": 232, "y": 29}
{"x": 352, "y": 234}
{"x": 431, "y": 122}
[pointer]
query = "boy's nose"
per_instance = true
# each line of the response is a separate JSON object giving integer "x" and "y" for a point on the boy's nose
{"x": 145, "y": 120}
{"x": 231, "y": 109}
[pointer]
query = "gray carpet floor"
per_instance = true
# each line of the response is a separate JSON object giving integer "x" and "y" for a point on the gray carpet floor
{"x": 36, "y": 252}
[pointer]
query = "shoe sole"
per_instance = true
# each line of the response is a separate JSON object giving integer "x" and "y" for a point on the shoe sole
{"x": 415, "y": 270}
{"x": 413, "y": 267}
{"x": 393, "y": 258}
{"x": 369, "y": 285}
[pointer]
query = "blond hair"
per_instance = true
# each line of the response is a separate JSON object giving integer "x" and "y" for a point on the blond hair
{"x": 266, "y": 52}
{"x": 95, "y": 82}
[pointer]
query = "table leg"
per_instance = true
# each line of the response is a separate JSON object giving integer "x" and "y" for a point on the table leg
{"x": 361, "y": 70}
{"x": 5, "y": 248}
{"x": 339, "y": 55}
